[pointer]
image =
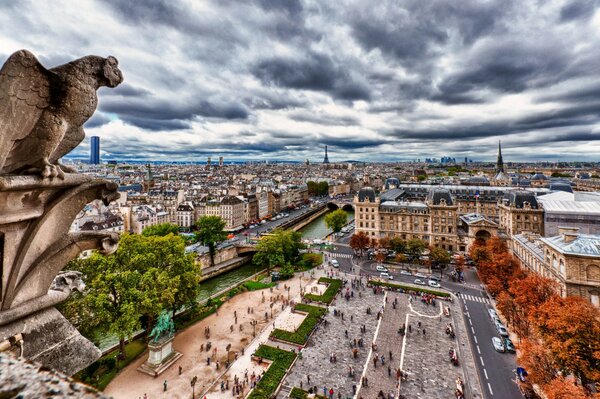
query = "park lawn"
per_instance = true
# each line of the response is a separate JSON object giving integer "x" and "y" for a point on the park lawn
{"x": 298, "y": 393}
{"x": 300, "y": 336}
{"x": 410, "y": 288}
{"x": 257, "y": 285}
{"x": 282, "y": 360}
{"x": 329, "y": 294}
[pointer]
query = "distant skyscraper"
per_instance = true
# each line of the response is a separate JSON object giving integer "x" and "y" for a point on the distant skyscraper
{"x": 95, "y": 150}
{"x": 326, "y": 160}
{"x": 499, "y": 162}
{"x": 220, "y": 162}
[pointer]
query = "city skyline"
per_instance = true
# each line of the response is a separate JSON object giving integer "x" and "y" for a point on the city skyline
{"x": 273, "y": 81}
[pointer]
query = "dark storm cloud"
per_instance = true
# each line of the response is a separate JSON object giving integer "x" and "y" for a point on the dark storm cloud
{"x": 313, "y": 71}
{"x": 159, "y": 114}
{"x": 577, "y": 9}
{"x": 358, "y": 76}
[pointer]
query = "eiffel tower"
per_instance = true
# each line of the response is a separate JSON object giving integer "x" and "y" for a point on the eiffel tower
{"x": 326, "y": 160}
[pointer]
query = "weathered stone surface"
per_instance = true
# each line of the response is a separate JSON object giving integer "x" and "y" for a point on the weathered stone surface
{"x": 42, "y": 111}
{"x": 20, "y": 379}
{"x": 41, "y": 117}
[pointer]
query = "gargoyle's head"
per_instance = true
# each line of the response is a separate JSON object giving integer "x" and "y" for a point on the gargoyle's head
{"x": 111, "y": 72}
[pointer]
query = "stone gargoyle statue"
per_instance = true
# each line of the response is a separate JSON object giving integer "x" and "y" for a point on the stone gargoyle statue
{"x": 42, "y": 111}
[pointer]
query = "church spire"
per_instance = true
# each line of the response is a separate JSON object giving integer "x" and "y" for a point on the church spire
{"x": 499, "y": 162}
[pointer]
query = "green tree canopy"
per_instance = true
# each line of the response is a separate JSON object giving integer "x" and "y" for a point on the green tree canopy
{"x": 210, "y": 232}
{"x": 161, "y": 229}
{"x": 415, "y": 248}
{"x": 278, "y": 249}
{"x": 317, "y": 188}
{"x": 398, "y": 244}
{"x": 440, "y": 257}
{"x": 144, "y": 276}
{"x": 336, "y": 220}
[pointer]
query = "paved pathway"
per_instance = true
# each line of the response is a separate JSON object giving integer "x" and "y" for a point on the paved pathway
{"x": 332, "y": 339}
{"x": 383, "y": 377}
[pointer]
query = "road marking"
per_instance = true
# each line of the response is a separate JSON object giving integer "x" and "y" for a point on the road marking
{"x": 472, "y": 330}
{"x": 478, "y": 351}
{"x": 490, "y": 388}
{"x": 470, "y": 322}
{"x": 481, "y": 359}
{"x": 475, "y": 338}
{"x": 485, "y": 372}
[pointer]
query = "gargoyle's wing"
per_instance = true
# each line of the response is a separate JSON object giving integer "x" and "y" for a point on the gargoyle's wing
{"x": 24, "y": 94}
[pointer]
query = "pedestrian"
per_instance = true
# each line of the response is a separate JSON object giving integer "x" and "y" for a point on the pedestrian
{"x": 165, "y": 386}
{"x": 308, "y": 378}
{"x": 330, "y": 393}
{"x": 389, "y": 371}
{"x": 390, "y": 353}
{"x": 180, "y": 370}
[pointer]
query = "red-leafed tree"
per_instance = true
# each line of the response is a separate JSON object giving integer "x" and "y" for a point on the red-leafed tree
{"x": 570, "y": 328}
{"x": 561, "y": 388}
{"x": 359, "y": 242}
{"x": 537, "y": 360}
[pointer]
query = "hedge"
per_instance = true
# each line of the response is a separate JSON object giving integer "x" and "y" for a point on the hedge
{"x": 282, "y": 360}
{"x": 257, "y": 285}
{"x": 409, "y": 288}
{"x": 300, "y": 336}
{"x": 298, "y": 393}
{"x": 329, "y": 294}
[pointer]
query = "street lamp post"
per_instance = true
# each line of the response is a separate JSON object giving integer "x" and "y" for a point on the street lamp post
{"x": 193, "y": 384}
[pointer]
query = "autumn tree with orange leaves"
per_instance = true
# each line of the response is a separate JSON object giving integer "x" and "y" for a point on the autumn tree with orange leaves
{"x": 560, "y": 388}
{"x": 570, "y": 328}
{"x": 359, "y": 242}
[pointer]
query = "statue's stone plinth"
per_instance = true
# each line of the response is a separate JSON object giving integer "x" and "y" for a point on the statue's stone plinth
{"x": 161, "y": 356}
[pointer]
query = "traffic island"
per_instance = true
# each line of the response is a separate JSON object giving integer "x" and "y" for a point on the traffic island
{"x": 302, "y": 333}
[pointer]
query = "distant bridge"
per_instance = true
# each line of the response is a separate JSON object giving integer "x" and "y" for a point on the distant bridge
{"x": 344, "y": 203}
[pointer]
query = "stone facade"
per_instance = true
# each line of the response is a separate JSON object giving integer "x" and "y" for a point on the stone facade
{"x": 572, "y": 259}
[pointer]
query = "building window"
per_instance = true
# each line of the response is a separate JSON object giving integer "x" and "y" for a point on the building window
{"x": 595, "y": 298}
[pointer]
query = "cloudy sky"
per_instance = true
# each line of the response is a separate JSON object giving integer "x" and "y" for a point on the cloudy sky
{"x": 374, "y": 80}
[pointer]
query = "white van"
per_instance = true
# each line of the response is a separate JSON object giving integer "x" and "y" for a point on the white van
{"x": 334, "y": 263}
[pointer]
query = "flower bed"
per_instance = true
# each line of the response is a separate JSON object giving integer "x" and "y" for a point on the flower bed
{"x": 329, "y": 294}
{"x": 282, "y": 360}
{"x": 300, "y": 336}
{"x": 409, "y": 288}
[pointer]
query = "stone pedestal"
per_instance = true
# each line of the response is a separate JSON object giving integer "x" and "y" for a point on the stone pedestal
{"x": 161, "y": 356}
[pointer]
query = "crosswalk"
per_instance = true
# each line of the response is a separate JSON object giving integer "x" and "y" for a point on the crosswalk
{"x": 473, "y": 298}
{"x": 336, "y": 255}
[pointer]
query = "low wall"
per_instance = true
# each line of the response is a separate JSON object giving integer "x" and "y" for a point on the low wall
{"x": 310, "y": 219}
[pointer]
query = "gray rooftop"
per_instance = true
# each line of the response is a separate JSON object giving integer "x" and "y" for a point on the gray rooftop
{"x": 583, "y": 245}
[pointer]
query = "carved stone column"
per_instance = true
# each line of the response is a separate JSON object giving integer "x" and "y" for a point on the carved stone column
{"x": 35, "y": 245}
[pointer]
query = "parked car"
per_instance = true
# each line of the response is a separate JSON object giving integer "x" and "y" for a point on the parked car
{"x": 420, "y": 275}
{"x": 493, "y": 314}
{"x": 381, "y": 268}
{"x": 405, "y": 273}
{"x": 434, "y": 278}
{"x": 386, "y": 275}
{"x": 434, "y": 284}
{"x": 334, "y": 263}
{"x": 502, "y": 330}
{"x": 420, "y": 282}
{"x": 508, "y": 345}
{"x": 498, "y": 345}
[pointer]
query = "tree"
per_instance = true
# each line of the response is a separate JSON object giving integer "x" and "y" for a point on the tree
{"x": 161, "y": 229}
{"x": 280, "y": 248}
{"x": 398, "y": 244}
{"x": 317, "y": 188}
{"x": 537, "y": 360}
{"x": 144, "y": 276}
{"x": 210, "y": 232}
{"x": 269, "y": 253}
{"x": 336, "y": 220}
{"x": 570, "y": 328}
{"x": 561, "y": 388}
{"x": 359, "y": 242}
{"x": 380, "y": 257}
{"x": 415, "y": 248}
{"x": 440, "y": 257}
